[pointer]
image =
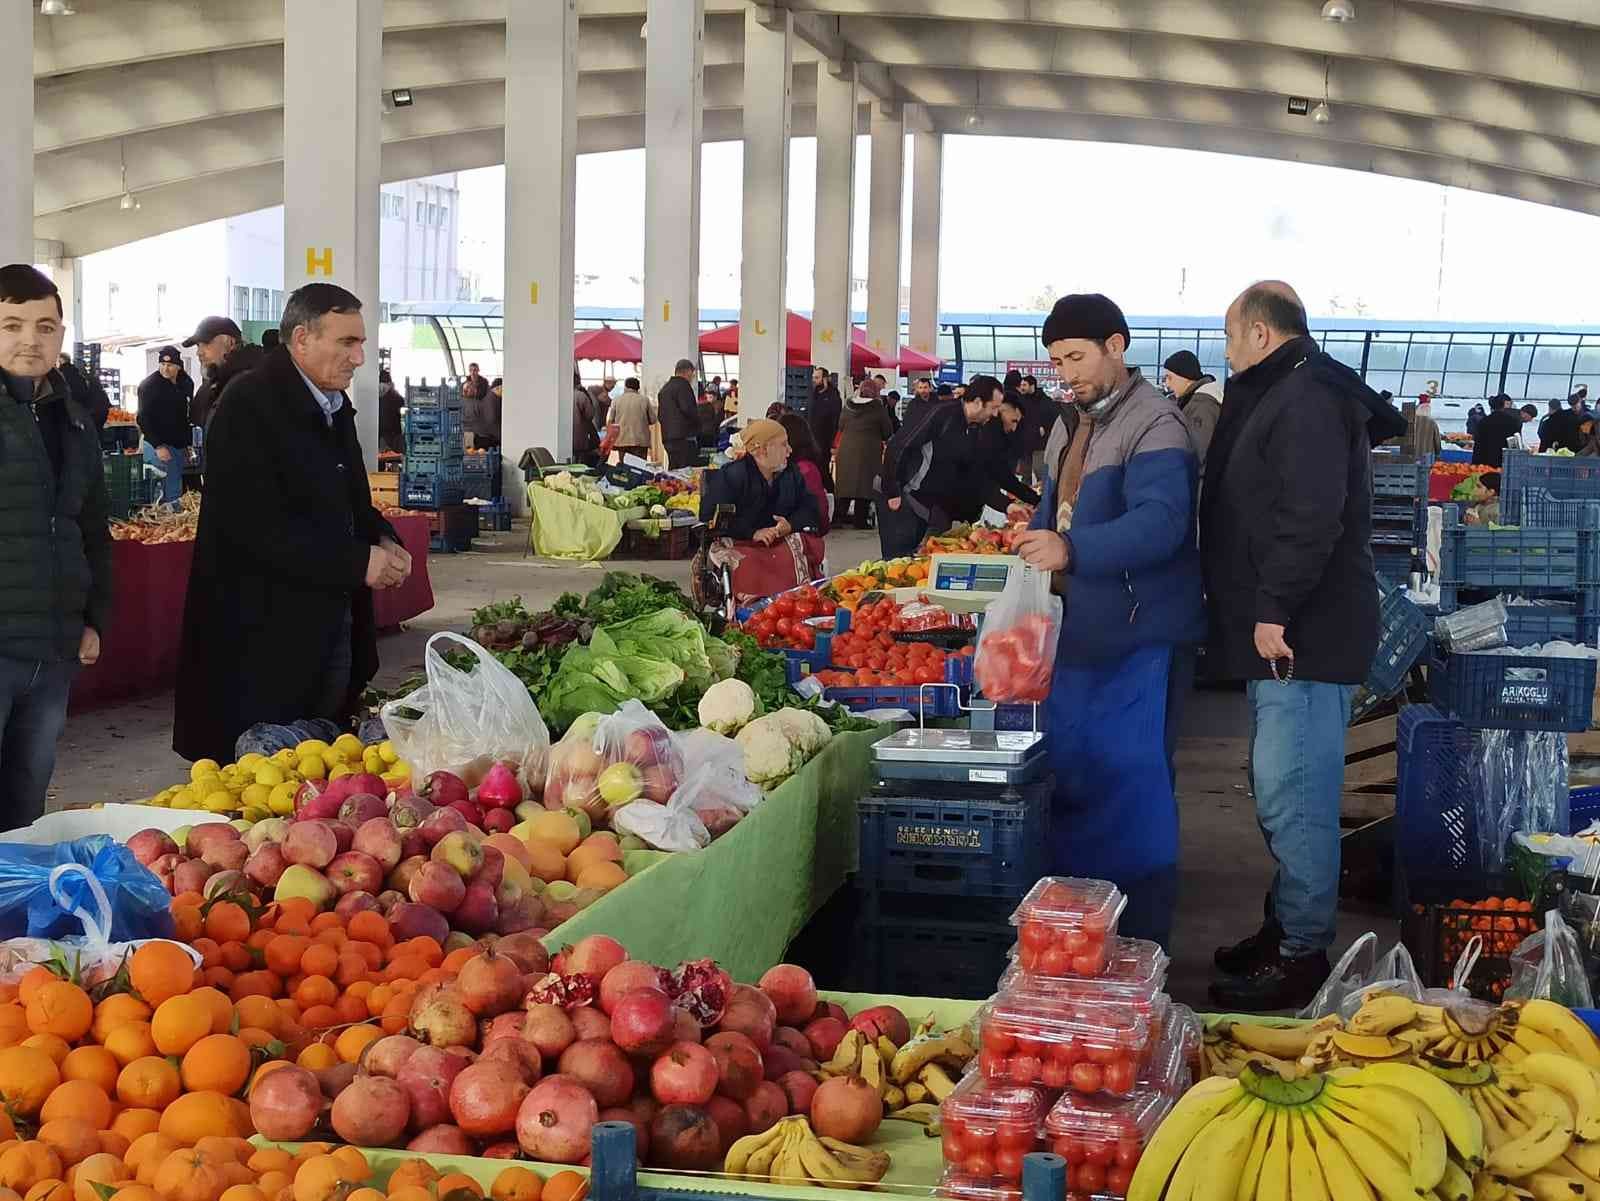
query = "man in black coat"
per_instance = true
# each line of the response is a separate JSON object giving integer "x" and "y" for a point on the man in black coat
{"x": 164, "y": 421}
{"x": 1498, "y": 428}
{"x": 1285, "y": 533}
{"x": 278, "y": 623}
{"x": 679, "y": 413}
{"x": 214, "y": 339}
{"x": 826, "y": 408}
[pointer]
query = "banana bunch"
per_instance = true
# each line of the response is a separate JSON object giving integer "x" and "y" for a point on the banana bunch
{"x": 913, "y": 1079}
{"x": 1389, "y": 1129}
{"x": 1228, "y": 1046}
{"x": 792, "y": 1153}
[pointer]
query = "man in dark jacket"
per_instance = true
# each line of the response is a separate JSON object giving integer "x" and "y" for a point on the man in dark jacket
{"x": 164, "y": 421}
{"x": 391, "y": 422}
{"x": 1198, "y": 395}
{"x": 1562, "y": 430}
{"x": 55, "y": 547}
{"x": 1498, "y": 428}
{"x": 279, "y": 623}
{"x": 1001, "y": 442}
{"x": 679, "y": 414}
{"x": 827, "y": 407}
{"x": 213, "y": 340}
{"x": 1285, "y": 536}
{"x": 934, "y": 471}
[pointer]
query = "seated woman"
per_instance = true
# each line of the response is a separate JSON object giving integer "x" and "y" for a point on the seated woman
{"x": 769, "y": 538}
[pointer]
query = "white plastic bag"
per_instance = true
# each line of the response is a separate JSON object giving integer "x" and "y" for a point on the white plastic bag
{"x": 1549, "y": 965}
{"x": 714, "y": 784}
{"x": 1359, "y": 972}
{"x": 612, "y": 759}
{"x": 464, "y": 721}
{"x": 1016, "y": 653}
{"x": 670, "y": 827}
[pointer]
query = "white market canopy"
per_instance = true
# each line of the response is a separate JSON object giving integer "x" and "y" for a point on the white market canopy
{"x": 1498, "y": 96}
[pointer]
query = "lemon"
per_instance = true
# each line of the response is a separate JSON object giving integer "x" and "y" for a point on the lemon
{"x": 285, "y": 757}
{"x": 386, "y": 749}
{"x": 220, "y": 801}
{"x": 340, "y": 770}
{"x": 256, "y": 813}
{"x": 312, "y": 767}
{"x": 255, "y": 794}
{"x": 204, "y": 767}
{"x": 331, "y": 759}
{"x": 348, "y": 746}
{"x": 311, "y": 746}
{"x": 250, "y": 762}
{"x": 401, "y": 769}
{"x": 281, "y": 799}
{"x": 269, "y": 774}
{"x": 185, "y": 799}
{"x": 372, "y": 762}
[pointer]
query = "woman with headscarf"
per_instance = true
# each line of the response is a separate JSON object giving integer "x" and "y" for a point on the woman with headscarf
{"x": 864, "y": 427}
{"x": 769, "y": 530}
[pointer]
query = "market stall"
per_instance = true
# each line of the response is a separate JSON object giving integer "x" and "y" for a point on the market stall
{"x": 139, "y": 653}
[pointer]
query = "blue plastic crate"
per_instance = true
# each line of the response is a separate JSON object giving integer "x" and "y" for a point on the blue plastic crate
{"x": 1583, "y": 807}
{"x": 430, "y": 491}
{"x": 433, "y": 422}
{"x": 1520, "y": 560}
{"x": 1514, "y": 692}
{"x": 931, "y": 946}
{"x": 1393, "y": 564}
{"x": 1540, "y": 510}
{"x": 935, "y": 702}
{"x": 1402, "y": 639}
{"x": 1435, "y": 838}
{"x": 452, "y": 527}
{"x": 1561, "y": 476}
{"x": 1575, "y": 622}
{"x": 1393, "y": 476}
{"x": 495, "y": 516}
{"x": 801, "y": 663}
{"x": 918, "y": 836}
{"x": 1399, "y": 522}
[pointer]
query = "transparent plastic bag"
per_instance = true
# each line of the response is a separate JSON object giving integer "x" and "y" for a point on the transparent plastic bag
{"x": 714, "y": 784}
{"x": 1360, "y": 971}
{"x": 608, "y": 760}
{"x": 674, "y": 826}
{"x": 1549, "y": 965}
{"x": 1016, "y": 652}
{"x": 464, "y": 721}
{"x": 1518, "y": 781}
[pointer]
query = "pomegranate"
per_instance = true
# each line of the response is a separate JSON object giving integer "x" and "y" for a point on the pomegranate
{"x": 485, "y": 1097}
{"x": 788, "y": 1036}
{"x": 847, "y": 1108}
{"x": 286, "y": 1110}
{"x": 642, "y": 1022}
{"x": 779, "y": 1061}
{"x": 568, "y": 991}
{"x": 443, "y": 788}
{"x": 687, "y": 1028}
{"x": 593, "y": 956}
{"x": 507, "y": 1025}
{"x": 372, "y": 1111}
{"x": 641, "y": 1128}
{"x": 600, "y": 1067}
{"x": 685, "y": 1138}
{"x": 490, "y": 984}
{"x": 332, "y": 1081}
{"x": 732, "y": 1123}
{"x": 884, "y": 1020}
{"x": 526, "y": 951}
{"x": 685, "y": 1074}
{"x": 752, "y": 1013}
{"x": 765, "y": 1106}
{"x": 799, "y": 1087}
{"x": 645, "y": 1107}
{"x": 627, "y": 976}
{"x": 824, "y": 1035}
{"x": 739, "y": 1066}
{"x": 555, "y": 1120}
{"x": 831, "y": 1009}
{"x": 502, "y": 1150}
{"x": 591, "y": 1023}
{"x": 426, "y": 1080}
{"x": 443, "y": 1021}
{"x": 442, "y": 1139}
{"x": 388, "y": 1055}
{"x": 519, "y": 1053}
{"x": 549, "y": 1029}
{"x": 793, "y": 992}
{"x": 702, "y": 988}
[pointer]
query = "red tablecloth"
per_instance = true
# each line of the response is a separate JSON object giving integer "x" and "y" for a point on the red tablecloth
{"x": 415, "y": 596}
{"x": 1440, "y": 484}
{"x": 139, "y": 653}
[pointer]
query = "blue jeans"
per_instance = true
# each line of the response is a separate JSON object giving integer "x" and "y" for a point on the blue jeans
{"x": 33, "y": 710}
{"x": 1297, "y": 773}
{"x": 172, "y": 486}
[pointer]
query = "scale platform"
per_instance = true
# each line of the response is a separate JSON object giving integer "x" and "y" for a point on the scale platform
{"x": 1005, "y": 757}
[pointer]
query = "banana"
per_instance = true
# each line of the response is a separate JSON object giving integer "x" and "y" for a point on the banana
{"x": 937, "y": 1081}
{"x": 1461, "y": 1126}
{"x": 1538, "y": 1147}
{"x": 1251, "y": 1176}
{"x": 787, "y": 1168}
{"x": 917, "y": 1093}
{"x": 1345, "y": 1181}
{"x": 1549, "y": 1186}
{"x": 1194, "y": 1112}
{"x": 760, "y": 1163}
{"x": 1281, "y": 1042}
{"x": 858, "y": 1163}
{"x": 1413, "y": 1125}
{"x": 820, "y": 1164}
{"x": 1511, "y": 1054}
{"x": 1578, "y": 1184}
{"x": 922, "y": 1114}
{"x": 1585, "y": 1157}
{"x": 886, "y": 1050}
{"x": 1494, "y": 1134}
{"x": 924, "y": 1049}
{"x": 894, "y": 1097}
{"x": 1306, "y": 1182}
{"x": 1573, "y": 1079}
{"x": 847, "y": 1055}
{"x": 1390, "y": 1136}
{"x": 736, "y": 1161}
{"x": 1560, "y": 1024}
{"x": 1384, "y": 1013}
{"x": 1535, "y": 1042}
{"x": 1229, "y": 1150}
{"x": 1369, "y": 1047}
{"x": 1456, "y": 1185}
{"x": 1383, "y": 1170}
{"x": 1273, "y": 1182}
{"x": 871, "y": 1069}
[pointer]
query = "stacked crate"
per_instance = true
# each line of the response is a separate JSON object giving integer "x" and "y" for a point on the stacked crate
{"x": 481, "y": 473}
{"x": 434, "y": 478}
{"x": 1399, "y": 514}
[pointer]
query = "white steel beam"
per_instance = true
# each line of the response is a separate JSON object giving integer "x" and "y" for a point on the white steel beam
{"x": 927, "y": 188}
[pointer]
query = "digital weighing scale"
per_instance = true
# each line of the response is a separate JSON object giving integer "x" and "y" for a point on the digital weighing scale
{"x": 967, "y": 583}
{"x": 1007, "y": 758}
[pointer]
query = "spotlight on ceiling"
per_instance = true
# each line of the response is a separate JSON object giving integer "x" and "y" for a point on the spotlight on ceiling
{"x": 401, "y": 98}
{"x": 55, "y": 8}
{"x": 1339, "y": 11}
{"x": 1322, "y": 114}
{"x": 974, "y": 120}
{"x": 644, "y": 30}
{"x": 128, "y": 202}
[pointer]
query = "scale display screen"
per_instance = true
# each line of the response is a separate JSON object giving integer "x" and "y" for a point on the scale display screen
{"x": 971, "y": 576}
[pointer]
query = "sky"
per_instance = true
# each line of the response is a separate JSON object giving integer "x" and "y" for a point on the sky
{"x": 1161, "y": 231}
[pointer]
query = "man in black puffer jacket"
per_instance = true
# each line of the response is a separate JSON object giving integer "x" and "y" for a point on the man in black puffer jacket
{"x": 55, "y": 546}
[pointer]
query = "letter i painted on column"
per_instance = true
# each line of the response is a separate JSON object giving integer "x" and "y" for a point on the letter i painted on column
{"x": 666, "y": 310}
{"x": 533, "y": 293}
{"x": 319, "y": 262}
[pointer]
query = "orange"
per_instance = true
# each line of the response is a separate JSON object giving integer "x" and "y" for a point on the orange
{"x": 318, "y": 1055}
{"x": 13, "y": 1024}
{"x": 320, "y": 1017}
{"x": 187, "y": 923}
{"x": 160, "y": 970}
{"x": 150, "y": 1082}
{"x": 52, "y": 1045}
{"x": 227, "y": 921}
{"x": 565, "y": 1186}
{"x": 451, "y": 1181}
{"x": 365, "y": 1194}
{"x": 134, "y": 1121}
{"x": 97, "y": 1169}
{"x": 370, "y": 926}
{"x": 72, "y": 1139}
{"x": 78, "y": 1099}
{"x": 258, "y": 1011}
{"x": 517, "y": 1184}
{"x": 27, "y": 1077}
{"x": 316, "y": 990}
{"x": 220, "y": 1062}
{"x": 323, "y": 1177}
{"x": 221, "y": 1008}
{"x": 244, "y": 1192}
{"x": 114, "y": 1011}
{"x": 258, "y": 983}
{"x": 416, "y": 1172}
{"x": 224, "y": 1150}
{"x": 33, "y": 980}
{"x": 23, "y": 1165}
{"x": 189, "y": 1175}
{"x": 270, "y": 1159}
{"x": 146, "y": 1155}
{"x": 130, "y": 1041}
{"x": 355, "y": 1039}
{"x": 134, "y": 1192}
{"x": 194, "y": 1115}
{"x": 179, "y": 1023}
{"x": 60, "y": 1008}
{"x": 272, "y": 1183}
{"x": 113, "y": 1143}
{"x": 49, "y": 1190}
{"x": 91, "y": 1063}
{"x": 604, "y": 876}
{"x": 353, "y": 1162}
{"x": 410, "y": 1192}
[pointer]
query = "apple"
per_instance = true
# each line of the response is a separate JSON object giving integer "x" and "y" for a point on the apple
{"x": 620, "y": 783}
{"x": 478, "y": 911}
{"x": 226, "y": 855}
{"x": 439, "y": 823}
{"x": 311, "y": 843}
{"x": 149, "y": 845}
{"x": 438, "y": 886}
{"x": 498, "y": 821}
{"x": 267, "y": 865}
{"x": 378, "y": 838}
{"x": 355, "y": 872}
{"x": 273, "y": 829}
{"x": 459, "y": 852}
{"x": 191, "y": 875}
{"x": 298, "y": 880}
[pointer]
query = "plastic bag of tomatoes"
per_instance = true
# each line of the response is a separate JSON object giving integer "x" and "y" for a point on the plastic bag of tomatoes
{"x": 1017, "y": 646}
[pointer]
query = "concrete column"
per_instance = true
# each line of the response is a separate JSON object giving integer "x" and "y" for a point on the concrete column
{"x": 332, "y": 55}
{"x": 884, "y": 228}
{"x": 541, "y": 188}
{"x": 837, "y": 95}
{"x": 927, "y": 181}
{"x": 673, "y": 91}
{"x": 768, "y": 54}
{"x": 67, "y": 273}
{"x": 16, "y": 137}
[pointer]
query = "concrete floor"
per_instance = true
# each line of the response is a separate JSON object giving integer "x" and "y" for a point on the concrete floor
{"x": 124, "y": 753}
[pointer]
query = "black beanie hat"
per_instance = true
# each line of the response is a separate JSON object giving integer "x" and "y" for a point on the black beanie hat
{"x": 1183, "y": 363}
{"x": 1085, "y": 315}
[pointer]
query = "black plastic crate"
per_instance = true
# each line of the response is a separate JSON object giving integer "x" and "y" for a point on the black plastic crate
{"x": 1394, "y": 564}
{"x": 452, "y": 529}
{"x": 674, "y": 542}
{"x": 1515, "y": 692}
{"x": 481, "y": 471}
{"x": 494, "y": 517}
{"x": 127, "y": 488}
{"x": 969, "y": 840}
{"x": 1438, "y": 930}
{"x": 930, "y": 946}
{"x": 1402, "y": 639}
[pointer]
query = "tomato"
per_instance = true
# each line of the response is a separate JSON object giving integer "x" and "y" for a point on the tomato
{"x": 1120, "y": 1076}
{"x": 807, "y": 637}
{"x": 1128, "y": 1152}
{"x": 1014, "y": 1136}
{"x": 1055, "y": 962}
{"x": 1074, "y": 942}
{"x": 805, "y": 608}
{"x": 1055, "y": 1074}
{"x": 1089, "y": 1177}
{"x": 1088, "y": 1077}
{"x": 1025, "y": 1069}
{"x": 1086, "y": 965}
{"x": 1101, "y": 1153}
{"x": 785, "y": 627}
{"x": 1118, "y": 1180}
{"x": 978, "y": 1163}
{"x": 1008, "y": 1163}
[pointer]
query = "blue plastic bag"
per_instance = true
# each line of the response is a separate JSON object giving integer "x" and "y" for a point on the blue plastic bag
{"x": 92, "y": 888}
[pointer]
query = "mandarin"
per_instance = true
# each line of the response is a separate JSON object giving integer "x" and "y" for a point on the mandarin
{"x": 160, "y": 970}
{"x": 78, "y": 1099}
{"x": 149, "y": 1082}
{"x": 220, "y": 1062}
{"x": 179, "y": 1023}
{"x": 27, "y": 1077}
{"x": 115, "y": 1010}
{"x": 89, "y": 1062}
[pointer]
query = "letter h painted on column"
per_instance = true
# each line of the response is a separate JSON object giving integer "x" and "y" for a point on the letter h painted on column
{"x": 319, "y": 262}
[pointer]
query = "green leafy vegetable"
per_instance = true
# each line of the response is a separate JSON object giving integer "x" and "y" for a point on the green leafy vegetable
{"x": 506, "y": 610}
{"x": 669, "y": 634}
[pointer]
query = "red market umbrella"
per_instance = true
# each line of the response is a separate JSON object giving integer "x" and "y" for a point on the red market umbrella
{"x": 915, "y": 360}
{"x": 797, "y": 344}
{"x": 607, "y": 345}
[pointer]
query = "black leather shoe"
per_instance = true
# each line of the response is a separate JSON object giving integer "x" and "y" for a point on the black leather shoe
{"x": 1284, "y": 983}
{"x": 1245, "y": 956}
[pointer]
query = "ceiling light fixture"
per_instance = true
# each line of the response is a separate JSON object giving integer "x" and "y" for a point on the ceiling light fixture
{"x": 128, "y": 201}
{"x": 975, "y": 118}
{"x": 1323, "y": 113}
{"x": 56, "y": 8}
{"x": 1339, "y": 11}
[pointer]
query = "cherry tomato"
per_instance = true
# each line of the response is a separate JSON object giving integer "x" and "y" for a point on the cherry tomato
{"x": 1025, "y": 1069}
{"x": 1088, "y": 1077}
{"x": 978, "y": 1163}
{"x": 1086, "y": 965}
{"x": 1090, "y": 1177}
{"x": 1055, "y": 1074}
{"x": 1128, "y": 1152}
{"x": 1036, "y": 935}
{"x": 1118, "y": 1179}
{"x": 1008, "y": 1163}
{"x": 1016, "y": 1136}
{"x": 1101, "y": 1153}
{"x": 1120, "y": 1076}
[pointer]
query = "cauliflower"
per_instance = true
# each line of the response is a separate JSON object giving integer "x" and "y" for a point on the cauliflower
{"x": 804, "y": 729}
{"x": 728, "y": 706}
{"x": 769, "y": 756}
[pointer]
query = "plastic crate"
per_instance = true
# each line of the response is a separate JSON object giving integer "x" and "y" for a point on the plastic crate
{"x": 1437, "y": 933}
{"x": 801, "y": 664}
{"x": 495, "y": 516}
{"x": 674, "y": 542}
{"x": 1393, "y": 564}
{"x": 1402, "y": 638}
{"x": 433, "y": 422}
{"x": 1393, "y": 476}
{"x": 1435, "y": 819}
{"x": 127, "y": 488}
{"x": 958, "y": 839}
{"x": 1529, "y": 624}
{"x": 482, "y": 474}
{"x": 1399, "y": 522}
{"x": 931, "y": 946}
{"x": 1561, "y": 476}
{"x": 443, "y": 395}
{"x": 1520, "y": 560}
{"x": 1515, "y": 692}
{"x": 119, "y": 436}
{"x": 452, "y": 528}
{"x": 430, "y": 491}
{"x": 1583, "y": 807}
{"x": 1540, "y": 510}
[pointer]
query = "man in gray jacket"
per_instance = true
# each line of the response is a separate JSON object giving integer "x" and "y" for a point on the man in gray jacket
{"x": 1199, "y": 396}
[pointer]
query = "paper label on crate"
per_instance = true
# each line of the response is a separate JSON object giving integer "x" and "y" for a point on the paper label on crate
{"x": 932, "y": 836}
{"x": 984, "y": 775}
